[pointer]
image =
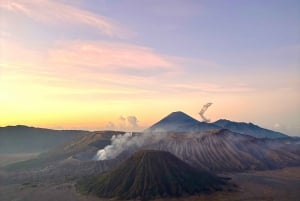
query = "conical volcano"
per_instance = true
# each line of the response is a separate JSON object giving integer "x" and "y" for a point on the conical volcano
{"x": 149, "y": 174}
{"x": 179, "y": 122}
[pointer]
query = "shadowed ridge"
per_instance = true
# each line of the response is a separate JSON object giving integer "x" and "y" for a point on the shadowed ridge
{"x": 248, "y": 129}
{"x": 148, "y": 174}
{"x": 25, "y": 139}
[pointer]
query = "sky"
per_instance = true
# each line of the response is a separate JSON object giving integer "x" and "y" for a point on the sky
{"x": 111, "y": 64}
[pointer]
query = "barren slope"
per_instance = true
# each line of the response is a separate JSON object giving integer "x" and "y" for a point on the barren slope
{"x": 224, "y": 150}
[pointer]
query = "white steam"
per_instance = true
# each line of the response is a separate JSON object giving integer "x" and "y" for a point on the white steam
{"x": 132, "y": 120}
{"x": 129, "y": 123}
{"x": 122, "y": 122}
{"x": 110, "y": 126}
{"x": 203, "y": 110}
{"x": 127, "y": 141}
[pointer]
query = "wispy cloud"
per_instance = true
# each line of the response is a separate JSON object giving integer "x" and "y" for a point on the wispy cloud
{"x": 200, "y": 87}
{"x": 103, "y": 69}
{"x": 56, "y": 12}
{"x": 110, "y": 57}
{"x": 98, "y": 69}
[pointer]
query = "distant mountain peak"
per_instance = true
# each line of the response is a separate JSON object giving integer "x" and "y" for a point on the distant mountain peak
{"x": 248, "y": 129}
{"x": 17, "y": 126}
{"x": 178, "y": 112}
{"x": 230, "y": 121}
{"x": 178, "y": 117}
{"x": 178, "y": 122}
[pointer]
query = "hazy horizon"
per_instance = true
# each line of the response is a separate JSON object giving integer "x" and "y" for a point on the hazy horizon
{"x": 128, "y": 128}
{"x": 94, "y": 65}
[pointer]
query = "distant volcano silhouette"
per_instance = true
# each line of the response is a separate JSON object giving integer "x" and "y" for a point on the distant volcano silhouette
{"x": 178, "y": 122}
{"x": 149, "y": 174}
{"x": 249, "y": 129}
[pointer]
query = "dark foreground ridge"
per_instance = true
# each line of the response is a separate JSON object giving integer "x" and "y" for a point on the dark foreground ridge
{"x": 149, "y": 174}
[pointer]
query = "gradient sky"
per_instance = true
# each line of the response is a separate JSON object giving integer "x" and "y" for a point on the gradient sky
{"x": 91, "y": 64}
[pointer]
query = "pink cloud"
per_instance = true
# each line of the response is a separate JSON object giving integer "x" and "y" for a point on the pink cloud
{"x": 210, "y": 88}
{"x": 109, "y": 57}
{"x": 56, "y": 12}
{"x": 106, "y": 68}
{"x": 86, "y": 63}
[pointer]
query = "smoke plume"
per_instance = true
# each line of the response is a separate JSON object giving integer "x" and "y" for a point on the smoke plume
{"x": 132, "y": 120}
{"x": 122, "y": 118}
{"x": 110, "y": 126}
{"x": 203, "y": 110}
{"x": 122, "y": 122}
{"x": 127, "y": 141}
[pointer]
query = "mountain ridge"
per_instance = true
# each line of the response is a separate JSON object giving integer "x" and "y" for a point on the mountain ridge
{"x": 180, "y": 122}
{"x": 225, "y": 151}
{"x": 248, "y": 129}
{"x": 26, "y": 139}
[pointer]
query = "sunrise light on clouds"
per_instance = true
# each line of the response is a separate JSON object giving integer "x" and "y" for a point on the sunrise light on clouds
{"x": 83, "y": 64}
